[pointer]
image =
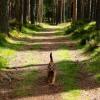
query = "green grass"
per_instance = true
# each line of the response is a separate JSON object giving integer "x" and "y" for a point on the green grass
{"x": 5, "y": 52}
{"x": 89, "y": 43}
{"x": 68, "y": 74}
{"x": 68, "y": 68}
{"x": 86, "y": 33}
{"x": 10, "y": 45}
{"x": 30, "y": 29}
{"x": 93, "y": 64}
{"x": 55, "y": 27}
{"x": 69, "y": 79}
{"x": 3, "y": 62}
{"x": 26, "y": 87}
{"x": 80, "y": 29}
{"x": 84, "y": 30}
{"x": 74, "y": 26}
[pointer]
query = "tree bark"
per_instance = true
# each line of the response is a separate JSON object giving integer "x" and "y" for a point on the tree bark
{"x": 25, "y": 14}
{"x": 32, "y": 11}
{"x": 98, "y": 15}
{"x": 4, "y": 25}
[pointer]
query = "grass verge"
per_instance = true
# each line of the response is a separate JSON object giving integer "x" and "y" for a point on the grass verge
{"x": 68, "y": 74}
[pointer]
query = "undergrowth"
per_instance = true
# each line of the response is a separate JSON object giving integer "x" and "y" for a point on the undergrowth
{"x": 68, "y": 74}
{"x": 93, "y": 64}
{"x": 9, "y": 45}
{"x": 89, "y": 39}
{"x": 86, "y": 33}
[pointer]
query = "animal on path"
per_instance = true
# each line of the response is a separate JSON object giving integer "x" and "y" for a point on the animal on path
{"x": 51, "y": 71}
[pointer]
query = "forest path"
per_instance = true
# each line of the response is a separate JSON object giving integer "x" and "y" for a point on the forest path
{"x": 33, "y": 58}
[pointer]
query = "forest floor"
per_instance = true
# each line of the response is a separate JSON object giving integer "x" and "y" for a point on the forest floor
{"x": 28, "y": 70}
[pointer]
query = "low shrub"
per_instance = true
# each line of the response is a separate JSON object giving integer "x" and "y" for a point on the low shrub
{"x": 74, "y": 26}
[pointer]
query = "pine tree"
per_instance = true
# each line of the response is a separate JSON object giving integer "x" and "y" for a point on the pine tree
{"x": 4, "y": 25}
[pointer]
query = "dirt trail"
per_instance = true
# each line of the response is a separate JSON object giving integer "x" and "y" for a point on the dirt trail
{"x": 28, "y": 58}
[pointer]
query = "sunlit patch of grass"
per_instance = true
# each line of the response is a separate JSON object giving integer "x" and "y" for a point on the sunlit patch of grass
{"x": 80, "y": 28}
{"x": 71, "y": 95}
{"x": 45, "y": 25}
{"x": 89, "y": 25}
{"x": 75, "y": 25}
{"x": 28, "y": 30}
{"x": 8, "y": 46}
{"x": 69, "y": 79}
{"x": 62, "y": 53}
{"x": 56, "y": 27}
{"x": 37, "y": 27}
{"x": 69, "y": 71}
{"x": 15, "y": 33}
{"x": 93, "y": 64}
{"x": 85, "y": 33}
{"x": 6, "y": 51}
{"x": 26, "y": 87}
{"x": 3, "y": 62}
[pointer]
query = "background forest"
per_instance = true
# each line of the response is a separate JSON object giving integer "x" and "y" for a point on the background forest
{"x": 30, "y": 30}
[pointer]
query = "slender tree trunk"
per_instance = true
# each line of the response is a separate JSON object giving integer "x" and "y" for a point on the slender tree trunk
{"x": 79, "y": 11}
{"x": 25, "y": 11}
{"x": 64, "y": 11}
{"x": 21, "y": 13}
{"x": 32, "y": 11}
{"x": 98, "y": 15}
{"x": 40, "y": 11}
{"x": 4, "y": 25}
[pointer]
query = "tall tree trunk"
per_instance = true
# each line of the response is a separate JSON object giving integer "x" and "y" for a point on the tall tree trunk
{"x": 79, "y": 11}
{"x": 98, "y": 14}
{"x": 4, "y": 25}
{"x": 25, "y": 14}
{"x": 40, "y": 11}
{"x": 37, "y": 10}
{"x": 32, "y": 11}
{"x": 19, "y": 13}
{"x": 64, "y": 11}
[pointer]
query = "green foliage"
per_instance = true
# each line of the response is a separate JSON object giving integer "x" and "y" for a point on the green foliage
{"x": 2, "y": 39}
{"x": 34, "y": 27}
{"x": 84, "y": 30}
{"x": 84, "y": 40}
{"x": 89, "y": 38}
{"x": 31, "y": 29}
{"x": 27, "y": 84}
{"x": 68, "y": 79}
{"x": 86, "y": 33}
{"x": 91, "y": 45}
{"x": 93, "y": 65}
{"x": 3, "y": 62}
{"x": 74, "y": 26}
{"x": 68, "y": 74}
